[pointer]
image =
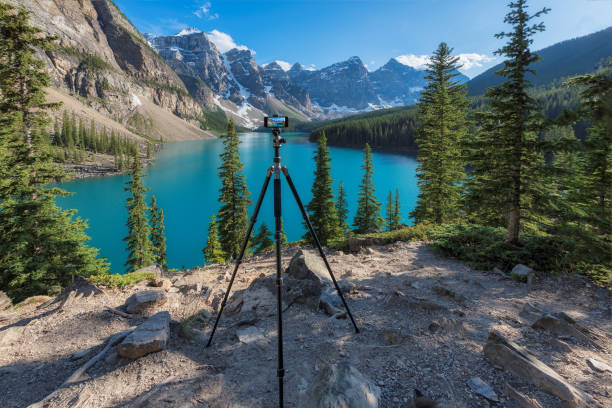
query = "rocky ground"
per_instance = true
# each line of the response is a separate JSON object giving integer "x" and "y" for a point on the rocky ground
{"x": 464, "y": 338}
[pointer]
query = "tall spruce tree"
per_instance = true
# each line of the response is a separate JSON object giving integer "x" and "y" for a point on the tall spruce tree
{"x": 390, "y": 211}
{"x": 595, "y": 192}
{"x": 140, "y": 249}
{"x": 442, "y": 113}
{"x": 41, "y": 246}
{"x": 368, "y": 207}
{"x": 234, "y": 196}
{"x": 322, "y": 209}
{"x": 507, "y": 184}
{"x": 158, "y": 236}
{"x": 212, "y": 251}
{"x": 397, "y": 211}
{"x": 342, "y": 209}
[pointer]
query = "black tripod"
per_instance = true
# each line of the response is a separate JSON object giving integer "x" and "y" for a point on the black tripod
{"x": 276, "y": 169}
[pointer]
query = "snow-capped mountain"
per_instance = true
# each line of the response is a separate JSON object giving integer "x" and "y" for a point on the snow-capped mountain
{"x": 236, "y": 83}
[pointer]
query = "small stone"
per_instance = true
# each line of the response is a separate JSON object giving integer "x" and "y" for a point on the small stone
{"x": 164, "y": 284}
{"x": 249, "y": 334}
{"x": 599, "y": 366}
{"x": 179, "y": 283}
{"x": 482, "y": 388}
{"x": 521, "y": 272}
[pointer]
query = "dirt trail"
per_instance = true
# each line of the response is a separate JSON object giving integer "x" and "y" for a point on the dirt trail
{"x": 414, "y": 335}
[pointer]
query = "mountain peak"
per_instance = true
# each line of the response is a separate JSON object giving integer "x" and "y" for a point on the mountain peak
{"x": 188, "y": 31}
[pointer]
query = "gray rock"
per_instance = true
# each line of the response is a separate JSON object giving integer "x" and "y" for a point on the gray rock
{"x": 5, "y": 301}
{"x": 521, "y": 272}
{"x": 145, "y": 300}
{"x": 249, "y": 334}
{"x": 149, "y": 337}
{"x": 599, "y": 366}
{"x": 192, "y": 288}
{"x": 482, "y": 388}
{"x": 165, "y": 284}
{"x": 444, "y": 291}
{"x": 341, "y": 385}
{"x": 179, "y": 283}
{"x": 308, "y": 265}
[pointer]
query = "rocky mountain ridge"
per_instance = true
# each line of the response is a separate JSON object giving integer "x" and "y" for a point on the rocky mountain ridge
{"x": 103, "y": 61}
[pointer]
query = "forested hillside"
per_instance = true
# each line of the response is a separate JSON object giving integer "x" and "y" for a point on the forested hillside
{"x": 394, "y": 128}
{"x": 564, "y": 59}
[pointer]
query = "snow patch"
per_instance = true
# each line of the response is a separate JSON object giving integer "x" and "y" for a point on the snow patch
{"x": 285, "y": 66}
{"x": 243, "y": 91}
{"x": 136, "y": 101}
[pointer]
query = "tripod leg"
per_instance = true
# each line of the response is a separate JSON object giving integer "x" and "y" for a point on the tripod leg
{"x": 318, "y": 244}
{"x": 243, "y": 249}
{"x": 278, "y": 236}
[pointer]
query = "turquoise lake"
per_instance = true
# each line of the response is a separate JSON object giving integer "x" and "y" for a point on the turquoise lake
{"x": 184, "y": 180}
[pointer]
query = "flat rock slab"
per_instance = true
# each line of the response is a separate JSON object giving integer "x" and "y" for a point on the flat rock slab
{"x": 308, "y": 265}
{"x": 599, "y": 366}
{"x": 149, "y": 337}
{"x": 341, "y": 385}
{"x": 145, "y": 300}
{"x": 520, "y": 362}
{"x": 482, "y": 388}
{"x": 249, "y": 334}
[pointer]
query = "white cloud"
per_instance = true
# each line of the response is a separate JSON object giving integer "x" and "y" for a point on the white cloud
{"x": 469, "y": 61}
{"x": 224, "y": 42}
{"x": 204, "y": 11}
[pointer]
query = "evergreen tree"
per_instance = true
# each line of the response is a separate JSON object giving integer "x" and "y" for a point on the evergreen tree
{"x": 213, "y": 252}
{"x": 322, "y": 209}
{"x": 507, "y": 183}
{"x": 41, "y": 246}
{"x": 390, "y": 212}
{"x": 442, "y": 112}
{"x": 262, "y": 241}
{"x": 342, "y": 209}
{"x": 158, "y": 237}
{"x": 234, "y": 196}
{"x": 368, "y": 207}
{"x": 140, "y": 250}
{"x": 396, "y": 219}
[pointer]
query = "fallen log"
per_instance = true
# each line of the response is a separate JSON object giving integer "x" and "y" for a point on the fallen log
{"x": 78, "y": 374}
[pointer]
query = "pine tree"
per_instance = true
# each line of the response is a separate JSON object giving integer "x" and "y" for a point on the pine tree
{"x": 234, "y": 196}
{"x": 342, "y": 209}
{"x": 390, "y": 212}
{"x": 442, "y": 113}
{"x": 506, "y": 183}
{"x": 593, "y": 194}
{"x": 262, "y": 241}
{"x": 41, "y": 246}
{"x": 213, "y": 252}
{"x": 140, "y": 249}
{"x": 322, "y": 209}
{"x": 396, "y": 220}
{"x": 368, "y": 207}
{"x": 158, "y": 237}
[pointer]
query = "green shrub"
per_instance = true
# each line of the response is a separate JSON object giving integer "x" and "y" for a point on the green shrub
{"x": 487, "y": 247}
{"x": 120, "y": 281}
{"x": 410, "y": 233}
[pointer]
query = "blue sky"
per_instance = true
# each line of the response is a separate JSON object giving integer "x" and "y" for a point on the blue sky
{"x": 321, "y": 32}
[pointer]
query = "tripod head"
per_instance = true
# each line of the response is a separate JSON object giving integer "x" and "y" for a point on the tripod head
{"x": 278, "y": 141}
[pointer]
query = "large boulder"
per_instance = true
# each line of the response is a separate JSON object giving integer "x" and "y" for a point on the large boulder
{"x": 341, "y": 385}
{"x": 5, "y": 301}
{"x": 149, "y": 337}
{"x": 145, "y": 301}
{"x": 308, "y": 265}
{"x": 156, "y": 269}
{"x": 521, "y": 272}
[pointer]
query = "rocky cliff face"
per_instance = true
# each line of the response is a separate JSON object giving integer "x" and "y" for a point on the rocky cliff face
{"x": 397, "y": 84}
{"x": 102, "y": 58}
